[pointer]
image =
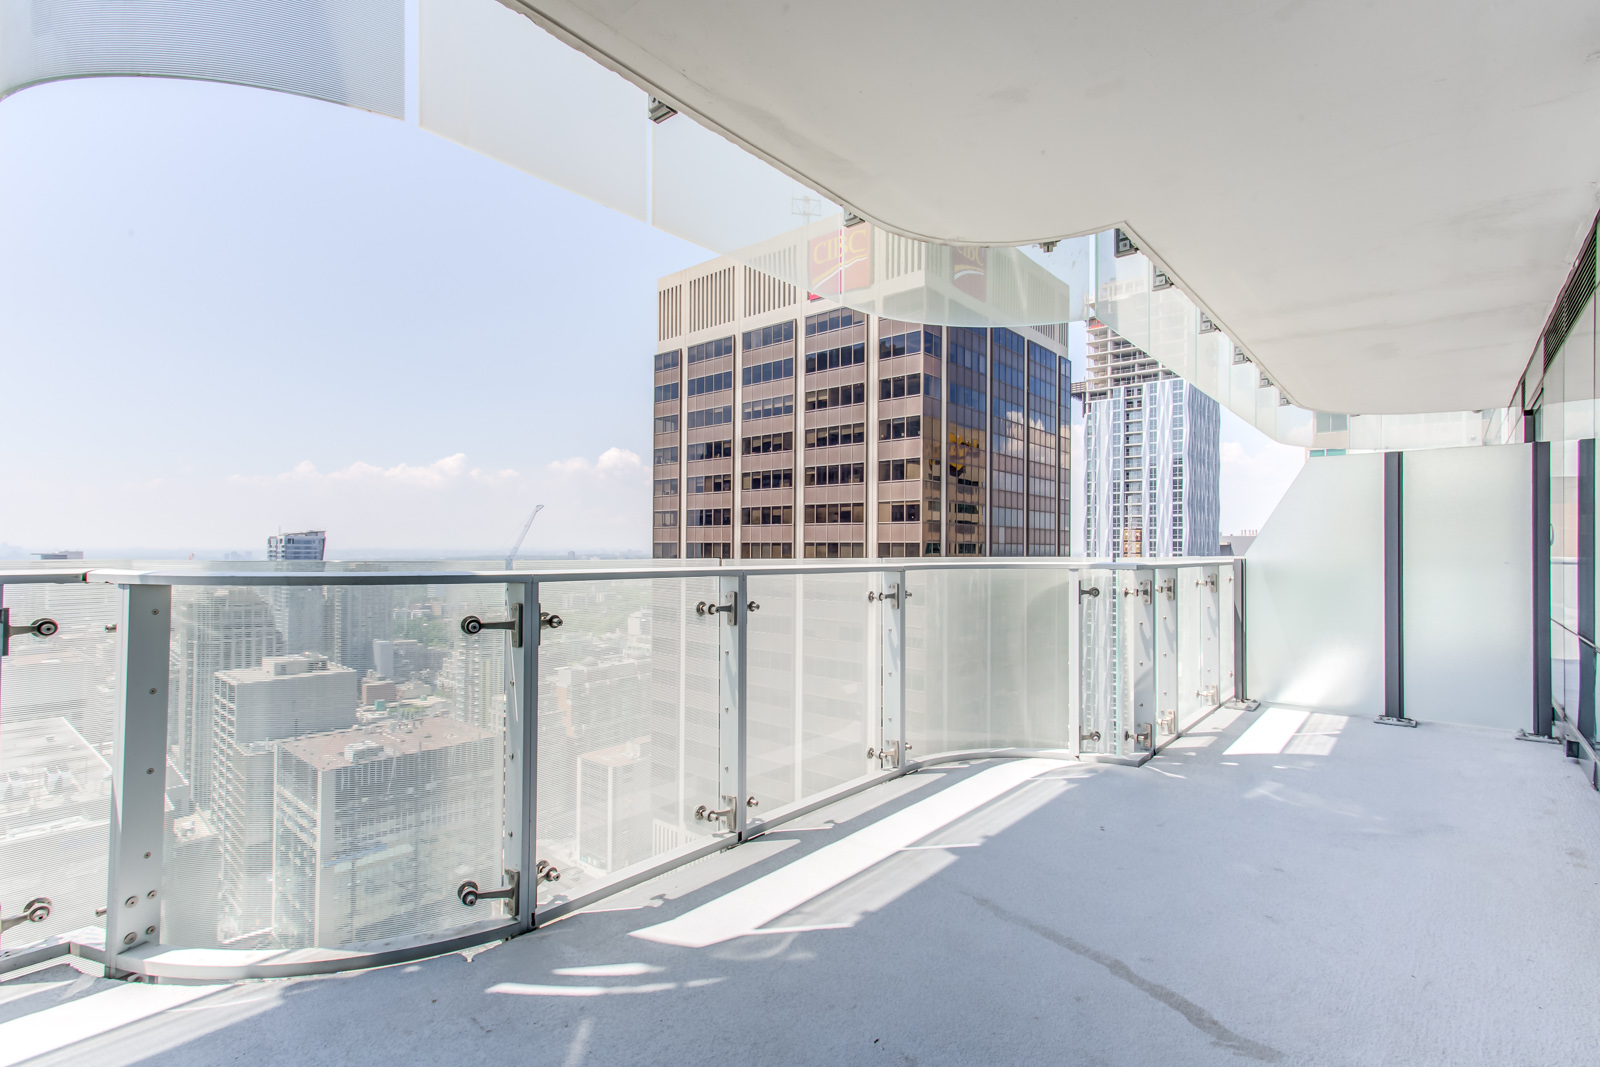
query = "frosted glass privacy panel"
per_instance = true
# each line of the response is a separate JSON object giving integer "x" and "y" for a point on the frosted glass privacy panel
{"x": 1314, "y": 589}
{"x": 337, "y": 763}
{"x": 989, "y": 659}
{"x": 343, "y": 51}
{"x": 1468, "y": 585}
{"x": 57, "y": 702}
{"x": 493, "y": 81}
{"x": 628, "y": 732}
{"x": 811, "y": 713}
{"x": 1100, "y": 677}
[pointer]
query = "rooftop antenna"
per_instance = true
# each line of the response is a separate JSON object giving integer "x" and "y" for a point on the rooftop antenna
{"x": 525, "y": 528}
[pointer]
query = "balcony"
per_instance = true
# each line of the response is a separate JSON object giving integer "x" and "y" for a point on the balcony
{"x": 1332, "y": 802}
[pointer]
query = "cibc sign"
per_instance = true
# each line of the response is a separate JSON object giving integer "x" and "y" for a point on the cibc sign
{"x": 841, "y": 261}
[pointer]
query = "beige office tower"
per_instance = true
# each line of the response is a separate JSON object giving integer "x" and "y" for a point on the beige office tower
{"x": 787, "y": 429}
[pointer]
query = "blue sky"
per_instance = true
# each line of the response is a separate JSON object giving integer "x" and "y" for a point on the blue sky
{"x": 231, "y": 311}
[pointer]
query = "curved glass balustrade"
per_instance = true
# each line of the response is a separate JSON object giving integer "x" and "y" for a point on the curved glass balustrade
{"x": 272, "y": 771}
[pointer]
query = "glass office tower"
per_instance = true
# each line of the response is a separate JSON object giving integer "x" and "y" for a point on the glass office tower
{"x": 785, "y": 430}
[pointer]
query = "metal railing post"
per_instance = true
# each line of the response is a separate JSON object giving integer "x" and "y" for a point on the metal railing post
{"x": 892, "y": 599}
{"x": 732, "y": 644}
{"x": 1075, "y": 580}
{"x": 1164, "y": 604}
{"x": 522, "y": 752}
{"x": 138, "y": 773}
{"x": 1138, "y": 608}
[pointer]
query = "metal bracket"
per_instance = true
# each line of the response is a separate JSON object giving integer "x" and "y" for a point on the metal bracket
{"x": 1395, "y": 720}
{"x": 1169, "y": 587}
{"x": 704, "y": 609}
{"x": 38, "y": 628}
{"x": 1093, "y": 590}
{"x": 704, "y": 813}
{"x": 36, "y": 910}
{"x": 472, "y": 625}
{"x": 1243, "y": 705}
{"x": 1142, "y": 589}
{"x": 893, "y": 594}
{"x": 469, "y": 893}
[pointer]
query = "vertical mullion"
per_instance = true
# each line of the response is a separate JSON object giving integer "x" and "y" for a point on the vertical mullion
{"x": 522, "y": 752}
{"x": 893, "y": 667}
{"x": 733, "y": 592}
{"x": 138, "y": 773}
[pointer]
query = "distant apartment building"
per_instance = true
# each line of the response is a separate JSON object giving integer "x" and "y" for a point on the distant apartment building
{"x": 1151, "y": 456}
{"x": 305, "y": 545}
{"x": 786, "y": 430}
{"x": 286, "y": 697}
{"x": 374, "y": 828}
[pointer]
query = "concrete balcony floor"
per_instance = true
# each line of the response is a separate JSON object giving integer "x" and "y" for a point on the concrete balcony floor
{"x": 1353, "y": 894}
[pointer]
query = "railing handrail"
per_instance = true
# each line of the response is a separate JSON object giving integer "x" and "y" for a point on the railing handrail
{"x": 1574, "y": 633}
{"x": 747, "y": 568}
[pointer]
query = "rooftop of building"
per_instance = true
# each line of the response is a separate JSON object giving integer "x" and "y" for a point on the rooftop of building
{"x": 383, "y": 740}
{"x": 47, "y": 767}
{"x": 1348, "y": 894}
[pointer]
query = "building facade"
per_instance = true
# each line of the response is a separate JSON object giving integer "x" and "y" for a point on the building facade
{"x": 305, "y": 545}
{"x": 784, "y": 429}
{"x": 1151, "y": 456}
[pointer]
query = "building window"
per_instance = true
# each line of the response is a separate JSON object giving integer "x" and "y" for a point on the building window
{"x": 767, "y": 336}
{"x": 708, "y": 550}
{"x": 891, "y": 511}
{"x": 708, "y": 417}
{"x": 767, "y": 516}
{"x": 667, "y": 424}
{"x": 909, "y": 344}
{"x": 907, "y": 385}
{"x": 711, "y": 383}
{"x": 666, "y": 519}
{"x": 828, "y": 321}
{"x": 723, "y": 346}
{"x": 666, "y": 392}
{"x": 835, "y": 513}
{"x": 666, "y": 550}
{"x": 780, "y": 478}
{"x": 708, "y": 517}
{"x": 896, "y": 429}
{"x": 835, "y": 550}
{"x": 711, "y": 450}
{"x": 775, "y": 371}
{"x": 666, "y": 487}
{"x": 837, "y": 396}
{"x": 762, "y": 444}
{"x": 667, "y": 455}
{"x": 711, "y": 483}
{"x": 767, "y": 550}
{"x": 835, "y": 474}
{"x": 667, "y": 360}
{"x": 899, "y": 470}
{"x": 828, "y": 436}
{"x": 833, "y": 358}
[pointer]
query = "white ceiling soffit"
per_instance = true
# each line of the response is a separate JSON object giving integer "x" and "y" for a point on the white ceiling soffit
{"x": 1380, "y": 201}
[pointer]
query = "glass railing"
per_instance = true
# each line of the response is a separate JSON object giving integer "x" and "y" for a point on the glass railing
{"x": 278, "y": 770}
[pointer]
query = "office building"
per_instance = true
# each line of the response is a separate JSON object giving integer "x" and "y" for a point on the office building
{"x": 302, "y": 546}
{"x": 361, "y": 615}
{"x": 375, "y": 828}
{"x": 787, "y": 430}
{"x": 213, "y": 629}
{"x": 1151, "y": 456}
{"x": 284, "y": 698}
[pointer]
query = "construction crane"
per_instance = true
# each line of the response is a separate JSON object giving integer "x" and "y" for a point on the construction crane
{"x": 525, "y": 528}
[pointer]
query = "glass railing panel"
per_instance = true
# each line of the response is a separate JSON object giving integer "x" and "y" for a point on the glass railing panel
{"x": 813, "y": 672}
{"x": 1227, "y": 687}
{"x": 1100, "y": 679}
{"x": 57, "y": 698}
{"x": 629, "y": 739}
{"x": 1043, "y": 718}
{"x": 1190, "y": 656}
{"x": 988, "y": 662}
{"x": 337, "y": 763}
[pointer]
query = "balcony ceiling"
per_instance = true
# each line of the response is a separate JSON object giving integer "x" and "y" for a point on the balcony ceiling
{"x": 1381, "y": 201}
